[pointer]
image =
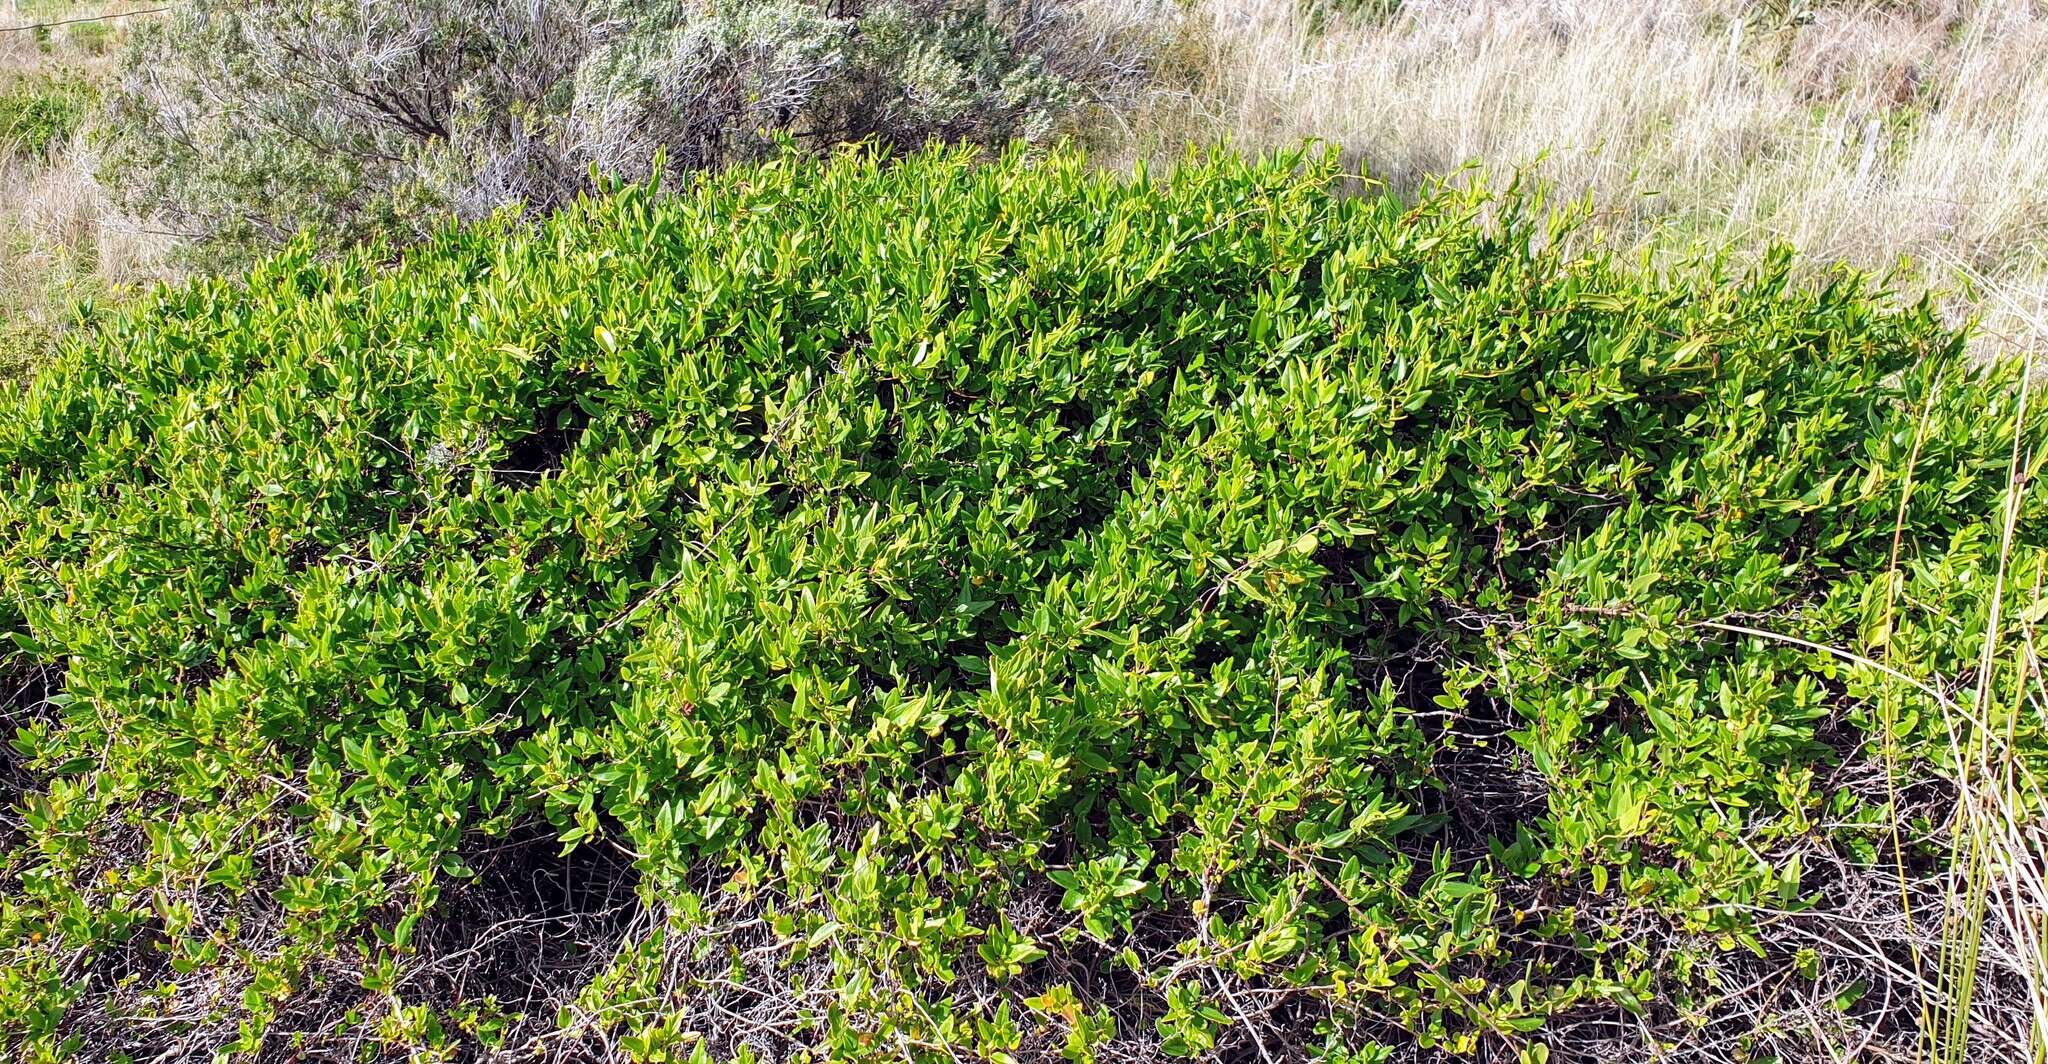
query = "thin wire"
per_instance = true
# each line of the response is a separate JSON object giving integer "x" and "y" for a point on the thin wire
{"x": 87, "y": 18}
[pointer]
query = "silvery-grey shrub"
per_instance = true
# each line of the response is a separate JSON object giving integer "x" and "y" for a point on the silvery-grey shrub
{"x": 244, "y": 121}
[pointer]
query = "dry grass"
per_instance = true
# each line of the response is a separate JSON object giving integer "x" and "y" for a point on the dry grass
{"x": 2001, "y": 907}
{"x": 1867, "y": 132}
{"x": 61, "y": 238}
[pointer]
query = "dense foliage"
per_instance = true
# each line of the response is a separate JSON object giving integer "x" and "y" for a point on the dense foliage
{"x": 247, "y": 122}
{"x": 40, "y": 111}
{"x": 941, "y": 611}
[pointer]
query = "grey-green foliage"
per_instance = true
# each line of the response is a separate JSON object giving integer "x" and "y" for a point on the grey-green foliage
{"x": 248, "y": 121}
{"x": 700, "y": 85}
{"x": 708, "y": 83}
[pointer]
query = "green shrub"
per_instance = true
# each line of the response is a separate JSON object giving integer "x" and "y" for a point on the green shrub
{"x": 246, "y": 122}
{"x": 936, "y": 610}
{"x": 38, "y": 112}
